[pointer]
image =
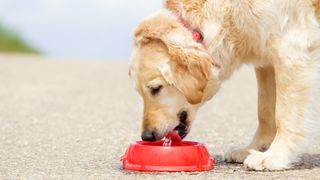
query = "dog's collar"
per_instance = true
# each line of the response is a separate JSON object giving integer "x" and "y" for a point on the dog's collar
{"x": 198, "y": 37}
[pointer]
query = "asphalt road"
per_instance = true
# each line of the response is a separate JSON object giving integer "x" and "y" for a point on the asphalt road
{"x": 64, "y": 119}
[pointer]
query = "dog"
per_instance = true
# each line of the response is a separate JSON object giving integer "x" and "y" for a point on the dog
{"x": 176, "y": 75}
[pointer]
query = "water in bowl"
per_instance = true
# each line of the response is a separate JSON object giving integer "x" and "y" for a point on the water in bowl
{"x": 171, "y": 137}
{"x": 167, "y": 142}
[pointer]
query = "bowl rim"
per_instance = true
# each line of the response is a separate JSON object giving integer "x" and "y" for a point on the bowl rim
{"x": 187, "y": 144}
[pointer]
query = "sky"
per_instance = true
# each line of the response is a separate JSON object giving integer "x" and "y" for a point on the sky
{"x": 97, "y": 29}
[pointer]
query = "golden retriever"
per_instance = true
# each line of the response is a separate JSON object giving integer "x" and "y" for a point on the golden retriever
{"x": 175, "y": 74}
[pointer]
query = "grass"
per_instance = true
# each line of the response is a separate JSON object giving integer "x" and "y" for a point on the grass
{"x": 11, "y": 42}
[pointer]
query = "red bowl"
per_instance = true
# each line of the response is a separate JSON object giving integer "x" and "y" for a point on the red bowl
{"x": 185, "y": 156}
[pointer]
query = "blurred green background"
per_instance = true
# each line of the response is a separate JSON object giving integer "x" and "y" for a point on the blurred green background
{"x": 11, "y": 42}
{"x": 72, "y": 29}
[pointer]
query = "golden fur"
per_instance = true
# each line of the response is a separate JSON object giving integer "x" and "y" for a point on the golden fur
{"x": 281, "y": 39}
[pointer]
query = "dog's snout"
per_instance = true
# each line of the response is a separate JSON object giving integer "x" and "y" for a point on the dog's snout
{"x": 148, "y": 136}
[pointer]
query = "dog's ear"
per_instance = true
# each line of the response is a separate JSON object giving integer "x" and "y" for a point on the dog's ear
{"x": 155, "y": 26}
{"x": 189, "y": 67}
{"x": 189, "y": 73}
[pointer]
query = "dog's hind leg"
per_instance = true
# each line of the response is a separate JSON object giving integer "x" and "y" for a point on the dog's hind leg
{"x": 266, "y": 112}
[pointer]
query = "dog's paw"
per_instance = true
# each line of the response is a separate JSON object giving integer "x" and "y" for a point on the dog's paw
{"x": 259, "y": 161}
{"x": 236, "y": 155}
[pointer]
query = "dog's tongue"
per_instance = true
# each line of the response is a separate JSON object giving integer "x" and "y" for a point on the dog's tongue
{"x": 174, "y": 136}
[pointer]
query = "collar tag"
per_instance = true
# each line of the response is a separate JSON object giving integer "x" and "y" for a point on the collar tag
{"x": 197, "y": 36}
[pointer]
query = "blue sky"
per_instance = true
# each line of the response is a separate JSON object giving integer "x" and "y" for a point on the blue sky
{"x": 77, "y": 28}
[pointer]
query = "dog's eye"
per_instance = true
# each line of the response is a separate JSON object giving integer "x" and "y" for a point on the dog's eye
{"x": 156, "y": 90}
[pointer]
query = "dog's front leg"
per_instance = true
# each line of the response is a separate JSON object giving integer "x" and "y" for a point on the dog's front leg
{"x": 292, "y": 89}
{"x": 266, "y": 112}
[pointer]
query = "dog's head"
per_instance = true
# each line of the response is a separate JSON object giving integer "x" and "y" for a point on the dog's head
{"x": 171, "y": 72}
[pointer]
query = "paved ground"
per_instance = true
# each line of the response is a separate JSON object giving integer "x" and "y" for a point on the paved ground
{"x": 73, "y": 120}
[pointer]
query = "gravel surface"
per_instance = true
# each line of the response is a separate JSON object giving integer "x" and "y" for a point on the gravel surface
{"x": 74, "y": 119}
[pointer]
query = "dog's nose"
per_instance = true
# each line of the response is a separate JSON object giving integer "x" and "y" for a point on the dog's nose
{"x": 148, "y": 136}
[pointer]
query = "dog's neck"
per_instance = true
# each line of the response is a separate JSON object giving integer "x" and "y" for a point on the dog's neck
{"x": 221, "y": 61}
{"x": 227, "y": 41}
{"x": 198, "y": 37}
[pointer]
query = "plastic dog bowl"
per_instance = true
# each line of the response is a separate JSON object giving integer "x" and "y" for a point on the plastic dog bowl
{"x": 185, "y": 156}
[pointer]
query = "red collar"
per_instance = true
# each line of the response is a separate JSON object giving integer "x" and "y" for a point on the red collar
{"x": 196, "y": 35}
